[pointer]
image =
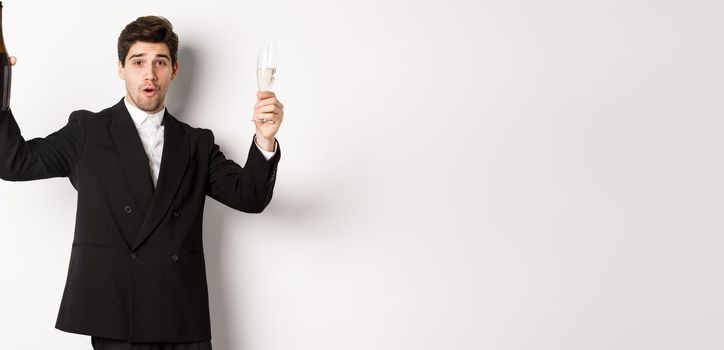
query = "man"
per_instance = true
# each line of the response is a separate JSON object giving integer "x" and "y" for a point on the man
{"x": 137, "y": 276}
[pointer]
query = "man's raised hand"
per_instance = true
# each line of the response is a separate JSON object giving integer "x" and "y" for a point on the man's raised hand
{"x": 268, "y": 116}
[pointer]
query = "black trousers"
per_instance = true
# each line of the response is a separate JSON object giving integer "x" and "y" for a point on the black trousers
{"x": 110, "y": 344}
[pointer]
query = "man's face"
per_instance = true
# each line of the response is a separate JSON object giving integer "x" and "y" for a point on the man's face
{"x": 148, "y": 73}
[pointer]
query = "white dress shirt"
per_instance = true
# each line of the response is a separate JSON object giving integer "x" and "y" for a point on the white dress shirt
{"x": 151, "y": 132}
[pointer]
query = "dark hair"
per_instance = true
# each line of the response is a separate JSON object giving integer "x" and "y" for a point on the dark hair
{"x": 149, "y": 29}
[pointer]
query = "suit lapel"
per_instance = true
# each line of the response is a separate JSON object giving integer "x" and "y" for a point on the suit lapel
{"x": 174, "y": 160}
{"x": 133, "y": 158}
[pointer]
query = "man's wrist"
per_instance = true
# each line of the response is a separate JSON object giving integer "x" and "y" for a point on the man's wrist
{"x": 265, "y": 143}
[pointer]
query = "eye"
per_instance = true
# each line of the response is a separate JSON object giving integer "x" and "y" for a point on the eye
{"x": 161, "y": 63}
{"x": 137, "y": 63}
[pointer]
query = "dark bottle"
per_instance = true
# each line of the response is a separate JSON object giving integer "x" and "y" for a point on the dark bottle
{"x": 6, "y": 73}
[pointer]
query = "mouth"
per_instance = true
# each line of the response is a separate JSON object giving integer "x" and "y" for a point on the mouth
{"x": 149, "y": 91}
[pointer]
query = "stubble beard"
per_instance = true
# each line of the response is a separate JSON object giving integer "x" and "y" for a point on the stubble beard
{"x": 152, "y": 105}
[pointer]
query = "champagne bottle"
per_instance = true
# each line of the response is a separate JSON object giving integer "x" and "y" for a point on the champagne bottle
{"x": 5, "y": 71}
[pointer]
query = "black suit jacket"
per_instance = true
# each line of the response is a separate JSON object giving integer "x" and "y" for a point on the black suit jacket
{"x": 137, "y": 269}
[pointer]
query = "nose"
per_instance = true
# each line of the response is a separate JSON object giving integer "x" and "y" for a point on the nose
{"x": 149, "y": 73}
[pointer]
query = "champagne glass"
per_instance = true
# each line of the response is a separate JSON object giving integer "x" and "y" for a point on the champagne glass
{"x": 266, "y": 67}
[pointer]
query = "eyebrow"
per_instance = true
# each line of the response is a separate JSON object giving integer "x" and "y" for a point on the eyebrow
{"x": 143, "y": 54}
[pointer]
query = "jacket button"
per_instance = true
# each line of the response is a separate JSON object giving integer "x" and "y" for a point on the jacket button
{"x": 127, "y": 209}
{"x": 133, "y": 256}
{"x": 176, "y": 214}
{"x": 174, "y": 257}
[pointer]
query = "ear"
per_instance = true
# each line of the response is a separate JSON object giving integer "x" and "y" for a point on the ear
{"x": 174, "y": 70}
{"x": 121, "y": 71}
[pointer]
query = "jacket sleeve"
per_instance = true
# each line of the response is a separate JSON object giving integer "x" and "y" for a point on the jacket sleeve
{"x": 52, "y": 156}
{"x": 248, "y": 189}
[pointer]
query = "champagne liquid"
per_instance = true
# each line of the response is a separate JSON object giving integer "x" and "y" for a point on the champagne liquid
{"x": 265, "y": 78}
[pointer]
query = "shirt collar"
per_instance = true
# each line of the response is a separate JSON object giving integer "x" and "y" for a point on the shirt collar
{"x": 139, "y": 116}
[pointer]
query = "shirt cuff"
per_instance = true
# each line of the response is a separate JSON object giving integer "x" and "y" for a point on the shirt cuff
{"x": 266, "y": 153}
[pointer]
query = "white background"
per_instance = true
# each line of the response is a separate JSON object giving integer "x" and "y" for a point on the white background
{"x": 455, "y": 175}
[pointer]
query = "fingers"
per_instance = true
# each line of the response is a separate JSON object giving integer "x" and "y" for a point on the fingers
{"x": 269, "y": 105}
{"x": 267, "y": 117}
{"x": 13, "y": 60}
{"x": 260, "y": 95}
{"x": 268, "y": 110}
{"x": 261, "y": 122}
{"x": 271, "y": 101}
{"x": 270, "y": 115}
